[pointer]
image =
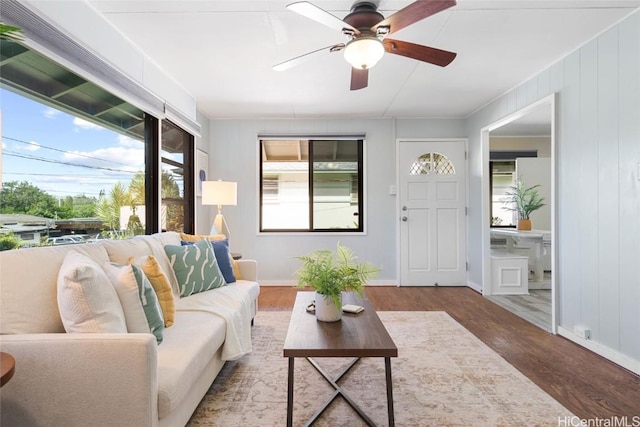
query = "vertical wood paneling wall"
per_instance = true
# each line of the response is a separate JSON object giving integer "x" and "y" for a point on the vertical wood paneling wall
{"x": 598, "y": 184}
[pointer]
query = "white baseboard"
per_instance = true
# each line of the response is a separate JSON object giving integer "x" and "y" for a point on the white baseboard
{"x": 612, "y": 355}
{"x": 475, "y": 286}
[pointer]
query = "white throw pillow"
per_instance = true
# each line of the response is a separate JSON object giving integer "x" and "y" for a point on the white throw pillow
{"x": 139, "y": 301}
{"x": 86, "y": 300}
{"x": 124, "y": 282}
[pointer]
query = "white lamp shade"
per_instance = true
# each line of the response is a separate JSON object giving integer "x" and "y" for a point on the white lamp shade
{"x": 219, "y": 193}
{"x": 364, "y": 52}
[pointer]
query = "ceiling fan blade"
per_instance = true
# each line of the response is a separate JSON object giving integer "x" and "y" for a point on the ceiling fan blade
{"x": 359, "y": 78}
{"x": 413, "y": 13}
{"x": 313, "y": 12}
{"x": 419, "y": 52}
{"x": 305, "y": 57}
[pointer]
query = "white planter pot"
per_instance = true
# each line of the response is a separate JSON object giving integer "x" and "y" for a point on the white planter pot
{"x": 326, "y": 310}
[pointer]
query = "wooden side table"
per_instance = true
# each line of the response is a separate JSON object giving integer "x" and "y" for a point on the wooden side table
{"x": 7, "y": 367}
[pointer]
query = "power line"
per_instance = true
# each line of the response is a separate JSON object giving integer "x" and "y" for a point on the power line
{"x": 43, "y": 159}
{"x": 62, "y": 151}
{"x": 63, "y": 174}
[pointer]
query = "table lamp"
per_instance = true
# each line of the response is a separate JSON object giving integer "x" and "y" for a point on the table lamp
{"x": 219, "y": 193}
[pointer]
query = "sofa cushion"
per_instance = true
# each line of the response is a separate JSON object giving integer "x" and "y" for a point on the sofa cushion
{"x": 253, "y": 288}
{"x": 121, "y": 250}
{"x": 160, "y": 283}
{"x": 28, "y": 287}
{"x": 139, "y": 301}
{"x": 86, "y": 299}
{"x": 195, "y": 267}
{"x": 187, "y": 349}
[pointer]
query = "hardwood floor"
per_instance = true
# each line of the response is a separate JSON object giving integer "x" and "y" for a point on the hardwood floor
{"x": 588, "y": 385}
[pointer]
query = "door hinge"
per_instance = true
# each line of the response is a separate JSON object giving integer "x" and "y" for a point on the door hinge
{"x": 466, "y": 211}
{"x": 466, "y": 266}
{"x": 465, "y": 155}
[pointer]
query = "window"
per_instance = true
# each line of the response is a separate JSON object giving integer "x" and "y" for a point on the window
{"x": 81, "y": 160}
{"x": 502, "y": 165}
{"x": 311, "y": 185}
{"x": 432, "y": 163}
{"x": 176, "y": 187}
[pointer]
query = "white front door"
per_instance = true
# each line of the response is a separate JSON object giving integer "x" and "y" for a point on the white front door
{"x": 432, "y": 196}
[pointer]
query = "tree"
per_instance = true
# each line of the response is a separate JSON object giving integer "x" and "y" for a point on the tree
{"x": 108, "y": 207}
{"x": 24, "y": 198}
{"x": 170, "y": 195}
{"x": 9, "y": 241}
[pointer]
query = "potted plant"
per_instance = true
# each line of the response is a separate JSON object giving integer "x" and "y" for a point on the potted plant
{"x": 526, "y": 200}
{"x": 330, "y": 273}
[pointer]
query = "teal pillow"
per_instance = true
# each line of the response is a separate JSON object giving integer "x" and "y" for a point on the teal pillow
{"x": 195, "y": 267}
{"x": 150, "y": 303}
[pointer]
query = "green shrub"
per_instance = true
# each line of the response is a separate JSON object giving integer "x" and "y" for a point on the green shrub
{"x": 9, "y": 241}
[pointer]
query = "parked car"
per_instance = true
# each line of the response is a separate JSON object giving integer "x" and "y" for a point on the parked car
{"x": 64, "y": 240}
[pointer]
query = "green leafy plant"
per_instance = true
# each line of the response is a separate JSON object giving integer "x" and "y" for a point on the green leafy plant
{"x": 330, "y": 273}
{"x": 526, "y": 199}
{"x": 9, "y": 241}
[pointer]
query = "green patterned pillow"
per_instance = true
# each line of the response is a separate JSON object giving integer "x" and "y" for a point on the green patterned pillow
{"x": 196, "y": 267}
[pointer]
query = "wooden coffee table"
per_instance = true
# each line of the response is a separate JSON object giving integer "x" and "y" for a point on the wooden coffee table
{"x": 356, "y": 335}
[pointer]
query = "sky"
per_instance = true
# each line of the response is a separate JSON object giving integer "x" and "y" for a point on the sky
{"x": 61, "y": 154}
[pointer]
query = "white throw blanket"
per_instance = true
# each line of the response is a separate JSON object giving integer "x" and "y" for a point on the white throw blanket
{"x": 233, "y": 304}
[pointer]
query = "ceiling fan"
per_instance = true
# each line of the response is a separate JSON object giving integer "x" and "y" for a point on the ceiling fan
{"x": 367, "y": 29}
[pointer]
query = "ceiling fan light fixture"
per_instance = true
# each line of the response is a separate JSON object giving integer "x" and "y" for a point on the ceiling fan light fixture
{"x": 364, "y": 52}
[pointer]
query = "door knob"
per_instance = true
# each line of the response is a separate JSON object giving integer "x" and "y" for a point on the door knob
{"x": 404, "y": 218}
{"x": 404, "y": 208}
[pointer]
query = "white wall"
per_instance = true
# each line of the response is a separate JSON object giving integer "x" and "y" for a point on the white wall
{"x": 598, "y": 187}
{"x": 204, "y": 215}
{"x": 234, "y": 156}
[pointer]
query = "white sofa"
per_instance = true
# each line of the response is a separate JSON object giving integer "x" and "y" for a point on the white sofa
{"x": 108, "y": 379}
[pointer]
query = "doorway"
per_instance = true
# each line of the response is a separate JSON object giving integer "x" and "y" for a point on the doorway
{"x": 521, "y": 147}
{"x": 432, "y": 198}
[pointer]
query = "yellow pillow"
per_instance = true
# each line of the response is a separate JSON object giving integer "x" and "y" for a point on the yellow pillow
{"x": 160, "y": 283}
{"x": 197, "y": 237}
{"x": 236, "y": 269}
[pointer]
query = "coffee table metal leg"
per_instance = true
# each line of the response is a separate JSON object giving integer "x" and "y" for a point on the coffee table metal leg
{"x": 387, "y": 368}
{"x": 290, "y": 394}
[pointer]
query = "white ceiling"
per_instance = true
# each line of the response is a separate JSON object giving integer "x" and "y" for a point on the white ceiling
{"x": 222, "y": 53}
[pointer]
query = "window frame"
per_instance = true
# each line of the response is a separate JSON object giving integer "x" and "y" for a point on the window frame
{"x": 361, "y": 158}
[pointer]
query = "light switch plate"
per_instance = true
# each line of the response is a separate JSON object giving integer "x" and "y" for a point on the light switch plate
{"x": 393, "y": 190}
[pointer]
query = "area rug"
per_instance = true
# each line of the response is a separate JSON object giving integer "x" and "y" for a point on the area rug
{"x": 443, "y": 376}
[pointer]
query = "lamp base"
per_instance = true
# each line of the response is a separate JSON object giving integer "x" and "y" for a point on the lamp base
{"x": 220, "y": 226}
